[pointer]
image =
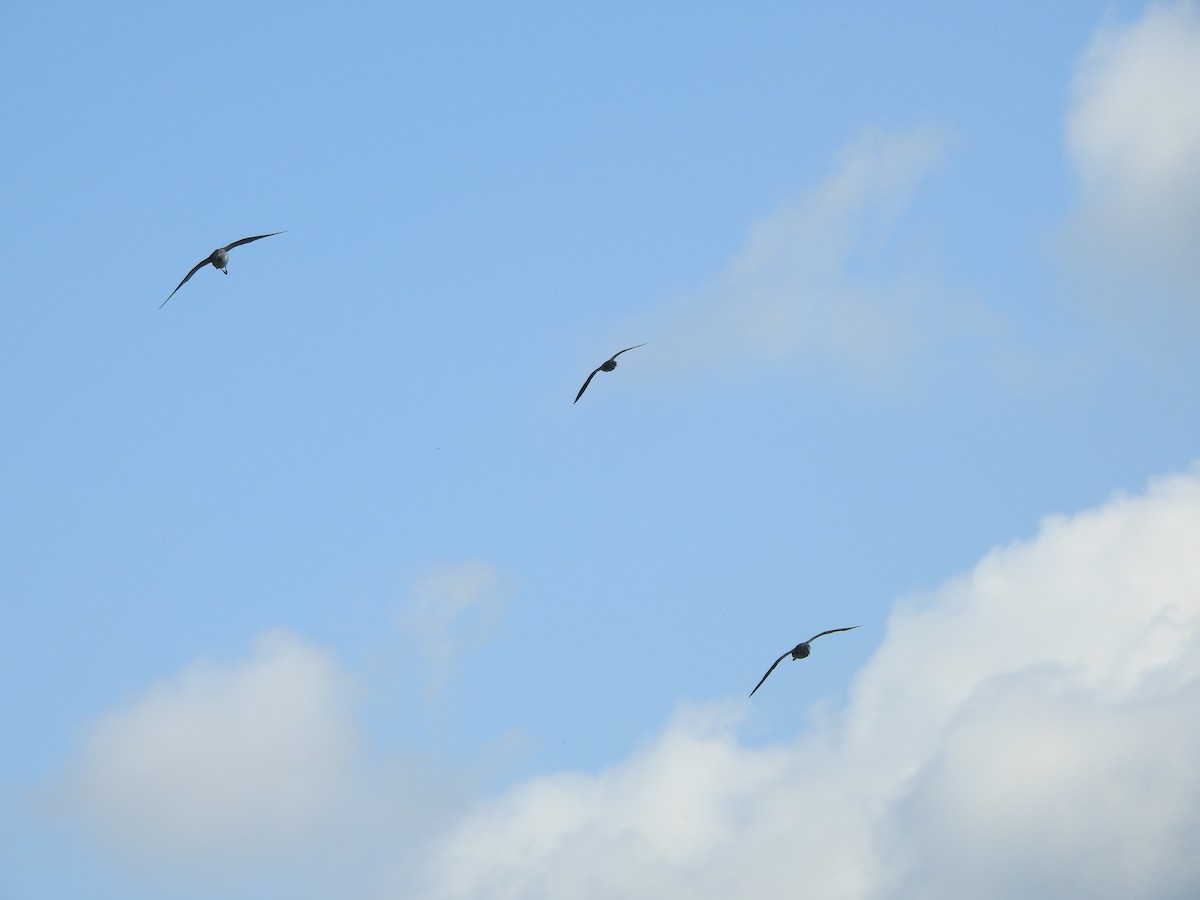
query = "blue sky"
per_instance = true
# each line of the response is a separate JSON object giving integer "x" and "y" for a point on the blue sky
{"x": 912, "y": 278}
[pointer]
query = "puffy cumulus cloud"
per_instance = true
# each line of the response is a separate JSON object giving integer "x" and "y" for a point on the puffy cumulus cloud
{"x": 1031, "y": 728}
{"x": 244, "y": 772}
{"x": 1042, "y": 789}
{"x": 1133, "y": 134}
{"x": 223, "y": 760}
{"x": 450, "y": 610}
{"x": 695, "y": 813}
{"x": 803, "y": 287}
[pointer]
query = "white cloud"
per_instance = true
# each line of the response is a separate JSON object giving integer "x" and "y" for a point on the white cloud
{"x": 803, "y": 288}
{"x": 1031, "y": 728}
{"x": 1133, "y": 133}
{"x": 251, "y": 771}
{"x": 222, "y": 760}
{"x": 1042, "y": 789}
{"x": 452, "y": 610}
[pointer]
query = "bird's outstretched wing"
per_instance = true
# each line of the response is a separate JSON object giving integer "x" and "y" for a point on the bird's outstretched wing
{"x": 627, "y": 349}
{"x": 830, "y": 631}
{"x": 257, "y": 237}
{"x": 585, "y": 384}
{"x": 196, "y": 268}
{"x": 770, "y": 670}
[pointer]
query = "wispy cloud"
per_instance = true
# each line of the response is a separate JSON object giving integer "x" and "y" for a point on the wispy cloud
{"x": 452, "y": 610}
{"x": 1133, "y": 135}
{"x": 809, "y": 286}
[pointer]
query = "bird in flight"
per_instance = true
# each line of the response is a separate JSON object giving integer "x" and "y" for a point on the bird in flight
{"x": 219, "y": 259}
{"x": 798, "y": 652}
{"x": 608, "y": 366}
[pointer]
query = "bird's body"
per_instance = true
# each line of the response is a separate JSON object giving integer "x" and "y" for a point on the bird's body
{"x": 800, "y": 651}
{"x": 607, "y": 366}
{"x": 218, "y": 259}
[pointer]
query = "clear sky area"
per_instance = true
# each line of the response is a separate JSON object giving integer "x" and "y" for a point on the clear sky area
{"x": 317, "y": 584}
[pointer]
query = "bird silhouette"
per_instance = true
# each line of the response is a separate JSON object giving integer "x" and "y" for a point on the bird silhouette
{"x": 607, "y": 366}
{"x": 800, "y": 651}
{"x": 219, "y": 259}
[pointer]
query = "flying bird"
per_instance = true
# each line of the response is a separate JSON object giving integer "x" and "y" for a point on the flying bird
{"x": 606, "y": 367}
{"x": 798, "y": 652}
{"x": 219, "y": 259}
